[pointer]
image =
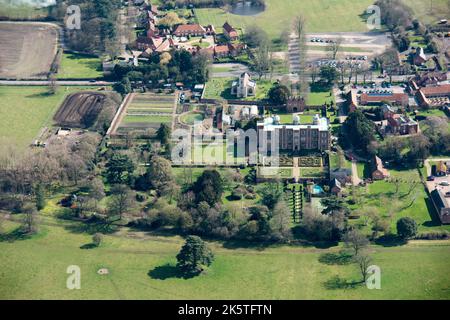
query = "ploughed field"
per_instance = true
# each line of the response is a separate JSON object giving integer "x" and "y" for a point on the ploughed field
{"x": 80, "y": 109}
{"x": 27, "y": 50}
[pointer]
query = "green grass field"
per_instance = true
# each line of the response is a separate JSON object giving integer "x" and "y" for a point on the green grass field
{"x": 217, "y": 88}
{"x": 21, "y": 11}
{"x": 25, "y": 111}
{"x": 147, "y": 119}
{"x": 142, "y": 267}
{"x": 322, "y": 16}
{"x": 319, "y": 98}
{"x": 78, "y": 66}
{"x": 416, "y": 205}
{"x": 429, "y": 11}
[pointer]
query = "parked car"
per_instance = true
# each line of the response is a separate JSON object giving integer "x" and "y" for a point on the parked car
{"x": 430, "y": 178}
{"x": 444, "y": 183}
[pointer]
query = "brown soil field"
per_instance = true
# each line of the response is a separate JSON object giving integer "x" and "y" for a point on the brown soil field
{"x": 80, "y": 109}
{"x": 27, "y": 50}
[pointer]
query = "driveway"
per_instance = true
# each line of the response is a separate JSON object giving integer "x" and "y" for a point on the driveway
{"x": 355, "y": 178}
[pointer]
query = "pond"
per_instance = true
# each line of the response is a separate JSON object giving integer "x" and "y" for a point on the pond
{"x": 247, "y": 8}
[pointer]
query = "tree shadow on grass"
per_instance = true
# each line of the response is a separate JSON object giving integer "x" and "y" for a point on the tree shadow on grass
{"x": 390, "y": 240}
{"x": 168, "y": 271}
{"x": 337, "y": 283}
{"x": 15, "y": 235}
{"x": 242, "y": 244}
{"x": 91, "y": 228}
{"x": 88, "y": 246}
{"x": 341, "y": 258}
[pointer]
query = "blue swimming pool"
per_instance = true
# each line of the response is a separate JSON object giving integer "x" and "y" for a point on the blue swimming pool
{"x": 317, "y": 189}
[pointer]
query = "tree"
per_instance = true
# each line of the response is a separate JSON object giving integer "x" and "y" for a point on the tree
{"x": 358, "y": 131}
{"x": 333, "y": 204}
{"x": 209, "y": 187}
{"x": 163, "y": 133}
{"x": 119, "y": 168}
{"x": 123, "y": 87}
{"x": 328, "y": 74}
{"x": 40, "y": 197}
{"x": 254, "y": 36}
{"x": 271, "y": 193}
{"x": 29, "y": 222}
{"x": 159, "y": 173}
{"x": 120, "y": 201}
{"x": 334, "y": 47}
{"x": 355, "y": 240}
{"x": 83, "y": 204}
{"x": 279, "y": 94}
{"x": 194, "y": 256}
{"x": 406, "y": 227}
{"x": 171, "y": 19}
{"x": 280, "y": 223}
{"x": 364, "y": 262}
{"x": 262, "y": 61}
{"x": 96, "y": 189}
{"x": 97, "y": 239}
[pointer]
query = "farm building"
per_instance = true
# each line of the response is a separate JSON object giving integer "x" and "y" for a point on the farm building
{"x": 196, "y": 30}
{"x": 442, "y": 206}
{"x": 230, "y": 32}
{"x": 375, "y": 98}
{"x": 434, "y": 96}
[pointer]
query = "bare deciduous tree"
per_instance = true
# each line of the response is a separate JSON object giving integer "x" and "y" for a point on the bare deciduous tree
{"x": 355, "y": 240}
{"x": 364, "y": 262}
{"x": 334, "y": 47}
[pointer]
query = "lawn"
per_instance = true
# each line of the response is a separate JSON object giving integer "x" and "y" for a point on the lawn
{"x": 79, "y": 66}
{"x": 322, "y": 16}
{"x": 429, "y": 11}
{"x": 22, "y": 11}
{"x": 25, "y": 111}
{"x": 192, "y": 118}
{"x": 146, "y": 119}
{"x": 220, "y": 88}
{"x": 320, "y": 98}
{"x": 141, "y": 266}
{"x": 392, "y": 206}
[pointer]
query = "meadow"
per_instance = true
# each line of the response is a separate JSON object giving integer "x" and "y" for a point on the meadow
{"x": 429, "y": 11}
{"x": 279, "y": 14}
{"x": 141, "y": 266}
{"x": 24, "y": 111}
{"x": 78, "y": 66}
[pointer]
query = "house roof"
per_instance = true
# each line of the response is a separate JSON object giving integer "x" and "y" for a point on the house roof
{"x": 336, "y": 183}
{"x": 422, "y": 80}
{"x": 394, "y": 97}
{"x": 221, "y": 49}
{"x": 189, "y": 28}
{"x": 436, "y": 90}
{"x": 229, "y": 29}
